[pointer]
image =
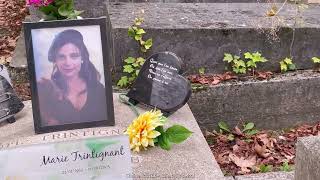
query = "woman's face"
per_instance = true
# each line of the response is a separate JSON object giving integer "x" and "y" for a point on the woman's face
{"x": 68, "y": 60}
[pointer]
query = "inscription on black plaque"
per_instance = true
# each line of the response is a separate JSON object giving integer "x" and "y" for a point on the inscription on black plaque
{"x": 160, "y": 84}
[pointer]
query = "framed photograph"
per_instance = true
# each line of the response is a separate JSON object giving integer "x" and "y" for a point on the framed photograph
{"x": 69, "y": 68}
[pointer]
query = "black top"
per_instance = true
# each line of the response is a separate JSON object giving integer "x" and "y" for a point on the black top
{"x": 53, "y": 106}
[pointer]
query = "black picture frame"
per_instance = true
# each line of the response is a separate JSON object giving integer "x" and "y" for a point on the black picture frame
{"x": 107, "y": 53}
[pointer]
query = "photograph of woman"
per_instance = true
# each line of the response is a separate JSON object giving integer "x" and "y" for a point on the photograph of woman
{"x": 73, "y": 93}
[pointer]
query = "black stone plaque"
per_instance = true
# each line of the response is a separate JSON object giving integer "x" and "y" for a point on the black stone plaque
{"x": 159, "y": 83}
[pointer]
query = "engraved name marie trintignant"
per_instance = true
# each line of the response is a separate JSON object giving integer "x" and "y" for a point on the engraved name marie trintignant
{"x": 80, "y": 156}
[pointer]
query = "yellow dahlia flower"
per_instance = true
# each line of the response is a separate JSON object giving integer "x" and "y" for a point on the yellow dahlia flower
{"x": 142, "y": 130}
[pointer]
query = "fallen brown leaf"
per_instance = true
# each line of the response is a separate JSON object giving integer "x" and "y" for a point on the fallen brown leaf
{"x": 223, "y": 158}
{"x": 264, "y": 75}
{"x": 243, "y": 163}
{"x": 237, "y": 131}
{"x": 261, "y": 150}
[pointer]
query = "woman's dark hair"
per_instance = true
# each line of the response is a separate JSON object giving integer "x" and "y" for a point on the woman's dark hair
{"x": 87, "y": 72}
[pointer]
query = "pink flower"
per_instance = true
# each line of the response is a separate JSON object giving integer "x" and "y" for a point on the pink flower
{"x": 39, "y": 2}
{"x": 34, "y": 2}
{"x": 47, "y": 2}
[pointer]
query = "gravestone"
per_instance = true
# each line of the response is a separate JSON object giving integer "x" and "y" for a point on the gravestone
{"x": 160, "y": 83}
{"x": 191, "y": 159}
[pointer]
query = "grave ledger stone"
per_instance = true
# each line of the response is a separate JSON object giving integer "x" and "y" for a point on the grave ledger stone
{"x": 192, "y": 159}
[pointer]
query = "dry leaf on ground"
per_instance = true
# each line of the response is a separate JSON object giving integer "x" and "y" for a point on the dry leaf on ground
{"x": 243, "y": 163}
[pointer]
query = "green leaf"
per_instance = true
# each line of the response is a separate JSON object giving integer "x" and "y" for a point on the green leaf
{"x": 123, "y": 82}
{"x": 48, "y": 9}
{"x": 140, "y": 32}
{"x": 223, "y": 126}
{"x": 128, "y": 69}
{"x": 148, "y": 44}
{"x": 132, "y": 78}
{"x": 164, "y": 142}
{"x": 131, "y": 32}
{"x": 315, "y": 60}
{"x": 177, "y": 133}
{"x": 140, "y": 61}
{"x": 130, "y": 60}
{"x": 138, "y": 21}
{"x": 236, "y": 57}
{"x": 137, "y": 72}
{"x": 142, "y": 49}
{"x": 286, "y": 167}
{"x": 240, "y": 63}
{"x": 65, "y": 10}
{"x": 248, "y": 55}
{"x": 160, "y": 129}
{"x": 228, "y": 57}
{"x": 248, "y": 126}
{"x": 283, "y": 66}
{"x": 292, "y": 67}
{"x": 77, "y": 13}
{"x": 242, "y": 70}
{"x": 251, "y": 132}
{"x": 230, "y": 137}
{"x": 138, "y": 37}
{"x": 239, "y": 67}
{"x": 265, "y": 168}
{"x": 288, "y": 61}
{"x": 251, "y": 64}
{"x": 201, "y": 71}
{"x": 262, "y": 59}
{"x": 254, "y": 58}
{"x": 135, "y": 64}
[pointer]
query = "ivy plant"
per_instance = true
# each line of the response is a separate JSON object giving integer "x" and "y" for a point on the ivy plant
{"x": 316, "y": 60}
{"x": 201, "y": 71}
{"x": 132, "y": 65}
{"x": 287, "y": 65}
{"x": 56, "y": 9}
{"x": 238, "y": 66}
{"x": 286, "y": 167}
{"x": 265, "y": 168}
{"x": 253, "y": 60}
